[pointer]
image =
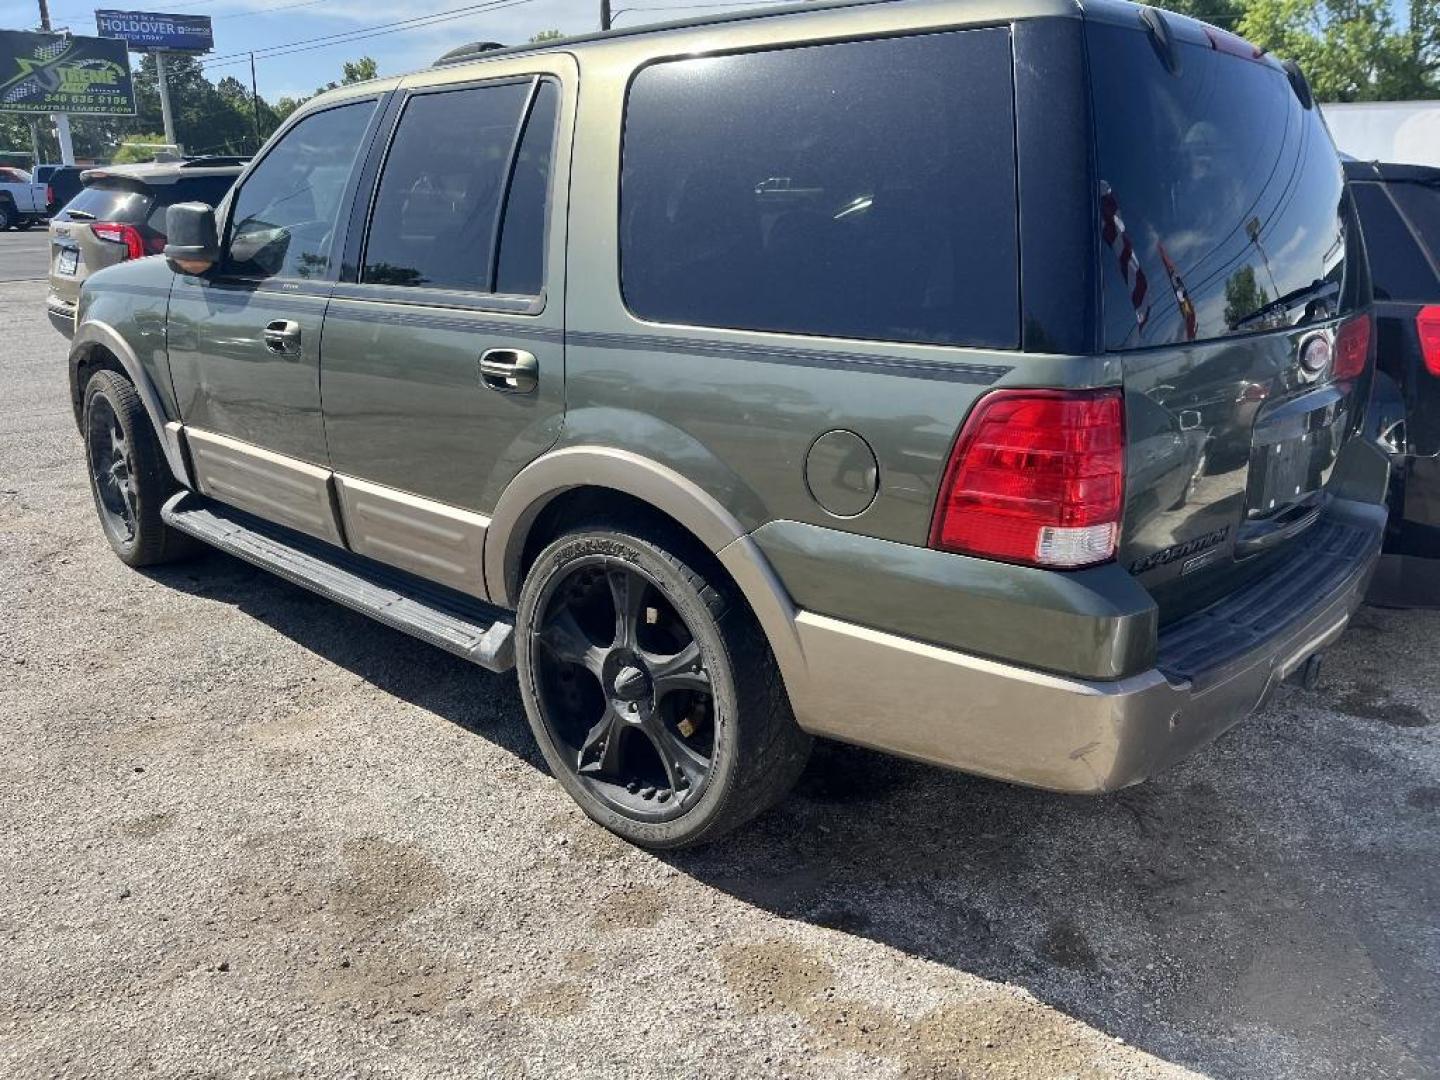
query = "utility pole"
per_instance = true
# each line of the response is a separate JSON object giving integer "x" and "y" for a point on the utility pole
{"x": 604, "y": 14}
{"x": 165, "y": 116}
{"x": 254, "y": 103}
{"x": 62, "y": 120}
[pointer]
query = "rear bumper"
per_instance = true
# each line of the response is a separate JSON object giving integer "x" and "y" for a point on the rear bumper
{"x": 1067, "y": 734}
{"x": 61, "y": 314}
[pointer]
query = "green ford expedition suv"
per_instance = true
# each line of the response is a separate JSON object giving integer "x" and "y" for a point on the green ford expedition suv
{"x": 981, "y": 382}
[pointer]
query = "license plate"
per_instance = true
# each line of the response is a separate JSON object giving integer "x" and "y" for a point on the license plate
{"x": 68, "y": 261}
{"x": 1284, "y": 471}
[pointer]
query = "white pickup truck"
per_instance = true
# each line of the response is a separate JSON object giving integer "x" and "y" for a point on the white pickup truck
{"x": 22, "y": 201}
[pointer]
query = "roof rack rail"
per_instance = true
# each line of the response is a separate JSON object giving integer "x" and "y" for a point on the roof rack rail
{"x": 461, "y": 53}
{"x": 474, "y": 51}
{"x": 206, "y": 160}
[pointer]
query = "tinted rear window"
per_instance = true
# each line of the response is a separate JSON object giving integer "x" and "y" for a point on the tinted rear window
{"x": 1398, "y": 268}
{"x": 1219, "y": 193}
{"x": 862, "y": 190}
{"x": 104, "y": 202}
{"x": 205, "y": 189}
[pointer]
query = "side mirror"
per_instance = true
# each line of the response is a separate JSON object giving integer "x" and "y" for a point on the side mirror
{"x": 192, "y": 246}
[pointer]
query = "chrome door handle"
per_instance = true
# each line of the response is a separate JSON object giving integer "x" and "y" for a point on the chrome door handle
{"x": 510, "y": 371}
{"x": 282, "y": 335}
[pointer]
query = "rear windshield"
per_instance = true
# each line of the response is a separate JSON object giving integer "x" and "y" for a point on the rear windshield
{"x": 106, "y": 202}
{"x": 205, "y": 189}
{"x": 1219, "y": 195}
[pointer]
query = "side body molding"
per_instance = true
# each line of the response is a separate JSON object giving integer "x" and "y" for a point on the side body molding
{"x": 91, "y": 335}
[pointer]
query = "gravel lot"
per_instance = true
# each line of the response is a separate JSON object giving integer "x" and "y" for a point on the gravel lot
{"x": 247, "y": 833}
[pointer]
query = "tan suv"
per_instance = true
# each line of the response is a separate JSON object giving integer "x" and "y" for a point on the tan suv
{"x": 120, "y": 214}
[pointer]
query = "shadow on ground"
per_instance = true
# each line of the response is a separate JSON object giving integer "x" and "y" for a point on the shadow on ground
{"x": 1267, "y": 908}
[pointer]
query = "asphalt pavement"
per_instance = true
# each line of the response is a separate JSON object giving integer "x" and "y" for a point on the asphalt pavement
{"x": 245, "y": 832}
{"x": 24, "y": 256}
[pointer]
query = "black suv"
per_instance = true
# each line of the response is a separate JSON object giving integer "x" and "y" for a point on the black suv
{"x": 1399, "y": 208}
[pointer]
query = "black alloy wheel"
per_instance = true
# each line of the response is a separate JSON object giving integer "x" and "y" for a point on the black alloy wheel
{"x": 112, "y": 470}
{"x": 650, "y": 685}
{"x": 624, "y": 687}
{"x": 129, "y": 476}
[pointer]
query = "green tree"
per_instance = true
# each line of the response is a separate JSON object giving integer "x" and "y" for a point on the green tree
{"x": 544, "y": 36}
{"x": 353, "y": 71}
{"x": 138, "y": 147}
{"x": 1350, "y": 50}
{"x": 1222, "y": 13}
{"x": 1244, "y": 295}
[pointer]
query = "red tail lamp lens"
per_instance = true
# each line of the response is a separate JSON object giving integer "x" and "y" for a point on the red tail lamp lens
{"x": 1036, "y": 477}
{"x": 1352, "y": 347}
{"x": 117, "y": 233}
{"x": 1428, "y": 324}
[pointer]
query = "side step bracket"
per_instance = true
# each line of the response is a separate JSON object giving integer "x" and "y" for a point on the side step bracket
{"x": 459, "y": 624}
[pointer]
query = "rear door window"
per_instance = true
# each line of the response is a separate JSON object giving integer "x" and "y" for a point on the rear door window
{"x": 454, "y": 159}
{"x": 1219, "y": 194}
{"x": 860, "y": 190}
{"x": 520, "y": 263}
{"x": 1398, "y": 268}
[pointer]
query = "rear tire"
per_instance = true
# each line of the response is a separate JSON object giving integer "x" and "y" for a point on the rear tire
{"x": 7, "y": 216}
{"x": 650, "y": 687}
{"x": 129, "y": 477}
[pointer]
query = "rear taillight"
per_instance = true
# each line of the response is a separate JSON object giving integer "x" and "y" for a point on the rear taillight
{"x": 117, "y": 233}
{"x": 1036, "y": 477}
{"x": 49, "y": 194}
{"x": 1428, "y": 325}
{"x": 1352, "y": 347}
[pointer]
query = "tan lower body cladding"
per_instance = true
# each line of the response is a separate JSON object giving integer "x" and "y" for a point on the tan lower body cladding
{"x": 439, "y": 542}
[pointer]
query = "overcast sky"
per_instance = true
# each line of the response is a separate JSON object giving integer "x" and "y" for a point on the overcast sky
{"x": 241, "y": 25}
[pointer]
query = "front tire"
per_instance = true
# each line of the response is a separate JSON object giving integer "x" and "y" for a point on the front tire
{"x": 7, "y": 216}
{"x": 129, "y": 478}
{"x": 651, "y": 689}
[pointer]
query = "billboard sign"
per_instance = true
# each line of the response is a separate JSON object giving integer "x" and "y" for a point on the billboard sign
{"x": 148, "y": 31}
{"x": 55, "y": 73}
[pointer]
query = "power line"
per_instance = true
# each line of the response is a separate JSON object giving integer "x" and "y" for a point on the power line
{"x": 347, "y": 41}
{"x": 268, "y": 10}
{"x": 361, "y": 33}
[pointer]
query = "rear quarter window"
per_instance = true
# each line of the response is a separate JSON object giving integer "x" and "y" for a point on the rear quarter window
{"x": 1219, "y": 193}
{"x": 859, "y": 190}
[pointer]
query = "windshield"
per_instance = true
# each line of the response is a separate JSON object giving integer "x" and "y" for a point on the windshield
{"x": 1220, "y": 195}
